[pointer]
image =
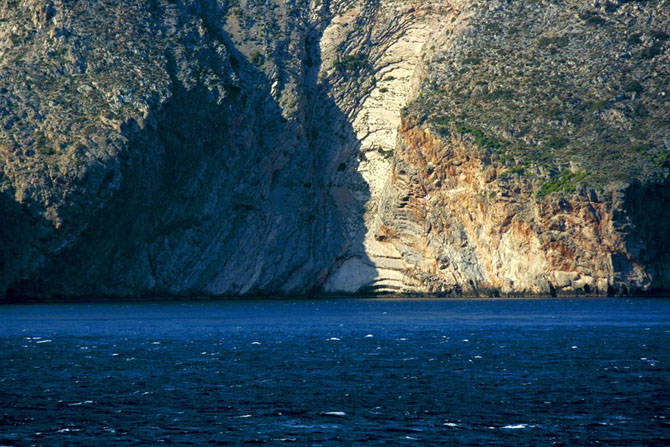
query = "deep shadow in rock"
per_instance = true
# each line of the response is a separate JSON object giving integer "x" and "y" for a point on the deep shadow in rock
{"x": 219, "y": 198}
{"x": 337, "y": 148}
{"x": 20, "y": 232}
{"x": 648, "y": 207}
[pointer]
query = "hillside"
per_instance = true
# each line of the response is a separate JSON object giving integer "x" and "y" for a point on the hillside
{"x": 559, "y": 85}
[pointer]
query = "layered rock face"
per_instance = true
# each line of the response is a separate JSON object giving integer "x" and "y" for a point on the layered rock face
{"x": 467, "y": 227}
{"x": 143, "y": 153}
{"x": 539, "y": 136}
{"x": 289, "y": 147}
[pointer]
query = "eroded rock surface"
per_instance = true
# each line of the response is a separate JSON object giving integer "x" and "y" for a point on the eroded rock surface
{"x": 466, "y": 226}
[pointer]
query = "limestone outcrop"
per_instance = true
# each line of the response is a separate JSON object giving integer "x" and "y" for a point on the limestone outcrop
{"x": 466, "y": 226}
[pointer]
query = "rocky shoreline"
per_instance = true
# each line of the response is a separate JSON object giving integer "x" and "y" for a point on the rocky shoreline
{"x": 298, "y": 148}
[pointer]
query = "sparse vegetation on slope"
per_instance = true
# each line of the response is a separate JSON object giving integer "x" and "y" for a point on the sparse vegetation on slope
{"x": 559, "y": 84}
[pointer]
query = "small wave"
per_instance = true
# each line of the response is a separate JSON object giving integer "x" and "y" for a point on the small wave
{"x": 44, "y": 341}
{"x": 621, "y": 418}
{"x": 369, "y": 336}
{"x": 301, "y": 426}
{"x": 335, "y": 413}
{"x": 333, "y": 339}
{"x": 451, "y": 424}
{"x": 516, "y": 426}
{"x": 255, "y": 343}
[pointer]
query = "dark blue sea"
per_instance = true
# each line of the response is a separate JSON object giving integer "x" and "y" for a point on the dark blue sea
{"x": 342, "y": 372}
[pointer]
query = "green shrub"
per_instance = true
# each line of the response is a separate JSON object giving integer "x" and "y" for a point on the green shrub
{"x": 651, "y": 52}
{"x": 662, "y": 159}
{"x": 592, "y": 18}
{"x": 566, "y": 181}
{"x": 482, "y": 140}
{"x": 441, "y": 124}
{"x": 501, "y": 94}
{"x": 352, "y": 62}
{"x": 596, "y": 106}
{"x": 257, "y": 58}
{"x": 558, "y": 142}
{"x": 386, "y": 154}
{"x": 635, "y": 39}
{"x": 42, "y": 145}
{"x": 556, "y": 41}
{"x": 660, "y": 35}
{"x": 634, "y": 86}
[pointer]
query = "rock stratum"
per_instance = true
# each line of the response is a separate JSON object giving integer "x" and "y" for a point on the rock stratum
{"x": 244, "y": 147}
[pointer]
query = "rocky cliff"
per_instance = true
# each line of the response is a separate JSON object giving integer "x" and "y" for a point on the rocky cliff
{"x": 236, "y": 147}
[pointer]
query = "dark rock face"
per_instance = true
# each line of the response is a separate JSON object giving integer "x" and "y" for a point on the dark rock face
{"x": 219, "y": 147}
{"x": 648, "y": 209}
{"x": 157, "y": 163}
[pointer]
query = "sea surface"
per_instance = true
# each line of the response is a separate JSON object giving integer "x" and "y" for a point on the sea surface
{"x": 339, "y": 372}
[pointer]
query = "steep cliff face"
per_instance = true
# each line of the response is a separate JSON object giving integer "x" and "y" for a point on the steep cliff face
{"x": 299, "y": 146}
{"x": 373, "y": 56}
{"x": 466, "y": 225}
{"x": 143, "y": 153}
{"x": 537, "y": 139}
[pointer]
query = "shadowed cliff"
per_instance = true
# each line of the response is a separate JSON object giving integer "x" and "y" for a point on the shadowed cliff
{"x": 198, "y": 183}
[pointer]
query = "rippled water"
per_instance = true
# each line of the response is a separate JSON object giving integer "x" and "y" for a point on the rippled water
{"x": 337, "y": 372}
